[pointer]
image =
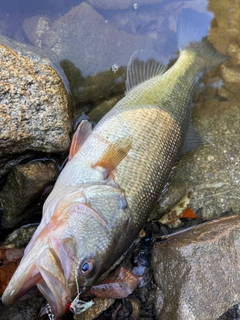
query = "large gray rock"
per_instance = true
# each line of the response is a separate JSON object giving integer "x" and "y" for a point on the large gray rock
{"x": 34, "y": 110}
{"x": 198, "y": 271}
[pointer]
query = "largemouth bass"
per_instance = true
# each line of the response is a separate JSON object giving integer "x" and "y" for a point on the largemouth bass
{"x": 115, "y": 173}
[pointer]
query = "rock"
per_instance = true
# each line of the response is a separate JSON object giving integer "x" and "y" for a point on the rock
{"x": 7, "y": 162}
{"x": 197, "y": 272}
{"x": 19, "y": 238}
{"x": 34, "y": 27}
{"x": 34, "y": 111}
{"x": 212, "y": 170}
{"x": 23, "y": 187}
{"x": 121, "y": 4}
{"x": 27, "y": 310}
{"x": 97, "y": 113}
{"x": 85, "y": 39}
{"x": 100, "y": 305}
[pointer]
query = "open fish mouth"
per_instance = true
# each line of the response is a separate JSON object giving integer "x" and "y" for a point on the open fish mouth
{"x": 48, "y": 274}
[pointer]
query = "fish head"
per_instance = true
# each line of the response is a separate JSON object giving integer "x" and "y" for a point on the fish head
{"x": 67, "y": 254}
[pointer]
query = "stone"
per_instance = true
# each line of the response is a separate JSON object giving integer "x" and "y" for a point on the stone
{"x": 100, "y": 305}
{"x": 83, "y": 38}
{"x": 197, "y": 271}
{"x": 100, "y": 110}
{"x": 24, "y": 185}
{"x": 34, "y": 109}
{"x": 27, "y": 309}
{"x": 20, "y": 237}
{"x": 121, "y": 4}
{"x": 211, "y": 171}
{"x": 34, "y": 27}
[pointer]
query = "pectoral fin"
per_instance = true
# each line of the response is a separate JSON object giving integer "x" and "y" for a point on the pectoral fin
{"x": 114, "y": 154}
{"x": 83, "y": 131}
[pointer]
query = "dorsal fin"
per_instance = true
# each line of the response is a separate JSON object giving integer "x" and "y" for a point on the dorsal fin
{"x": 114, "y": 154}
{"x": 144, "y": 65}
{"x": 83, "y": 131}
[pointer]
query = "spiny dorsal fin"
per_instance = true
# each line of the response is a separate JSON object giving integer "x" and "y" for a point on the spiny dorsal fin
{"x": 114, "y": 154}
{"x": 144, "y": 65}
{"x": 192, "y": 140}
{"x": 83, "y": 131}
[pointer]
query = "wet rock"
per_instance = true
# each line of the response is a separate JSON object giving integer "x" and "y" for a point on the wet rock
{"x": 23, "y": 187}
{"x": 83, "y": 37}
{"x": 100, "y": 305}
{"x": 6, "y": 163}
{"x": 34, "y": 111}
{"x": 27, "y": 310}
{"x": 19, "y": 238}
{"x": 212, "y": 170}
{"x": 197, "y": 271}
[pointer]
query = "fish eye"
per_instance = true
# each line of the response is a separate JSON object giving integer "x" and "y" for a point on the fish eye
{"x": 87, "y": 267}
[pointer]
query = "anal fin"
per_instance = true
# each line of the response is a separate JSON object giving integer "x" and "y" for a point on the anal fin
{"x": 192, "y": 140}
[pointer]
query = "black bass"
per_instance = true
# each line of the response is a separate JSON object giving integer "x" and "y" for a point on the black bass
{"x": 115, "y": 173}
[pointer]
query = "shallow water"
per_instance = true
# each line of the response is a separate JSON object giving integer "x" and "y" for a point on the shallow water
{"x": 94, "y": 40}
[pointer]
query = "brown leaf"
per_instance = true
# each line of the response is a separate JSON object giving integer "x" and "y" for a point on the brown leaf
{"x": 9, "y": 261}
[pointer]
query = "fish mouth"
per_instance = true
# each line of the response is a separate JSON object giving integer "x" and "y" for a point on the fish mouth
{"x": 48, "y": 274}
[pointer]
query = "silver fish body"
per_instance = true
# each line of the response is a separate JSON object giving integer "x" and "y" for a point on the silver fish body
{"x": 105, "y": 193}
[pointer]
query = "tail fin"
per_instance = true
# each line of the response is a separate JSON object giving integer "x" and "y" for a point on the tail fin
{"x": 192, "y": 31}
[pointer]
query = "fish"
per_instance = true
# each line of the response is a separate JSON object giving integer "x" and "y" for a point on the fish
{"x": 116, "y": 171}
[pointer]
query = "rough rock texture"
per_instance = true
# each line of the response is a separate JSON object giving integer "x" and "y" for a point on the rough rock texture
{"x": 20, "y": 237}
{"x": 24, "y": 185}
{"x": 211, "y": 171}
{"x": 34, "y": 112}
{"x": 100, "y": 305}
{"x": 197, "y": 271}
{"x": 27, "y": 310}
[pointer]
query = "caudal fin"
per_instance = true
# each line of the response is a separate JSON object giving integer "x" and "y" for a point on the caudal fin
{"x": 192, "y": 31}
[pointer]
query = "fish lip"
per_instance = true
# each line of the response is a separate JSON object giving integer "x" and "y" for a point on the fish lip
{"x": 54, "y": 285}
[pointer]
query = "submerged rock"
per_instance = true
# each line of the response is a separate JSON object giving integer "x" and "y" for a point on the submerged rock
{"x": 197, "y": 272}
{"x": 120, "y": 4}
{"x": 23, "y": 187}
{"x": 87, "y": 41}
{"x": 34, "y": 111}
